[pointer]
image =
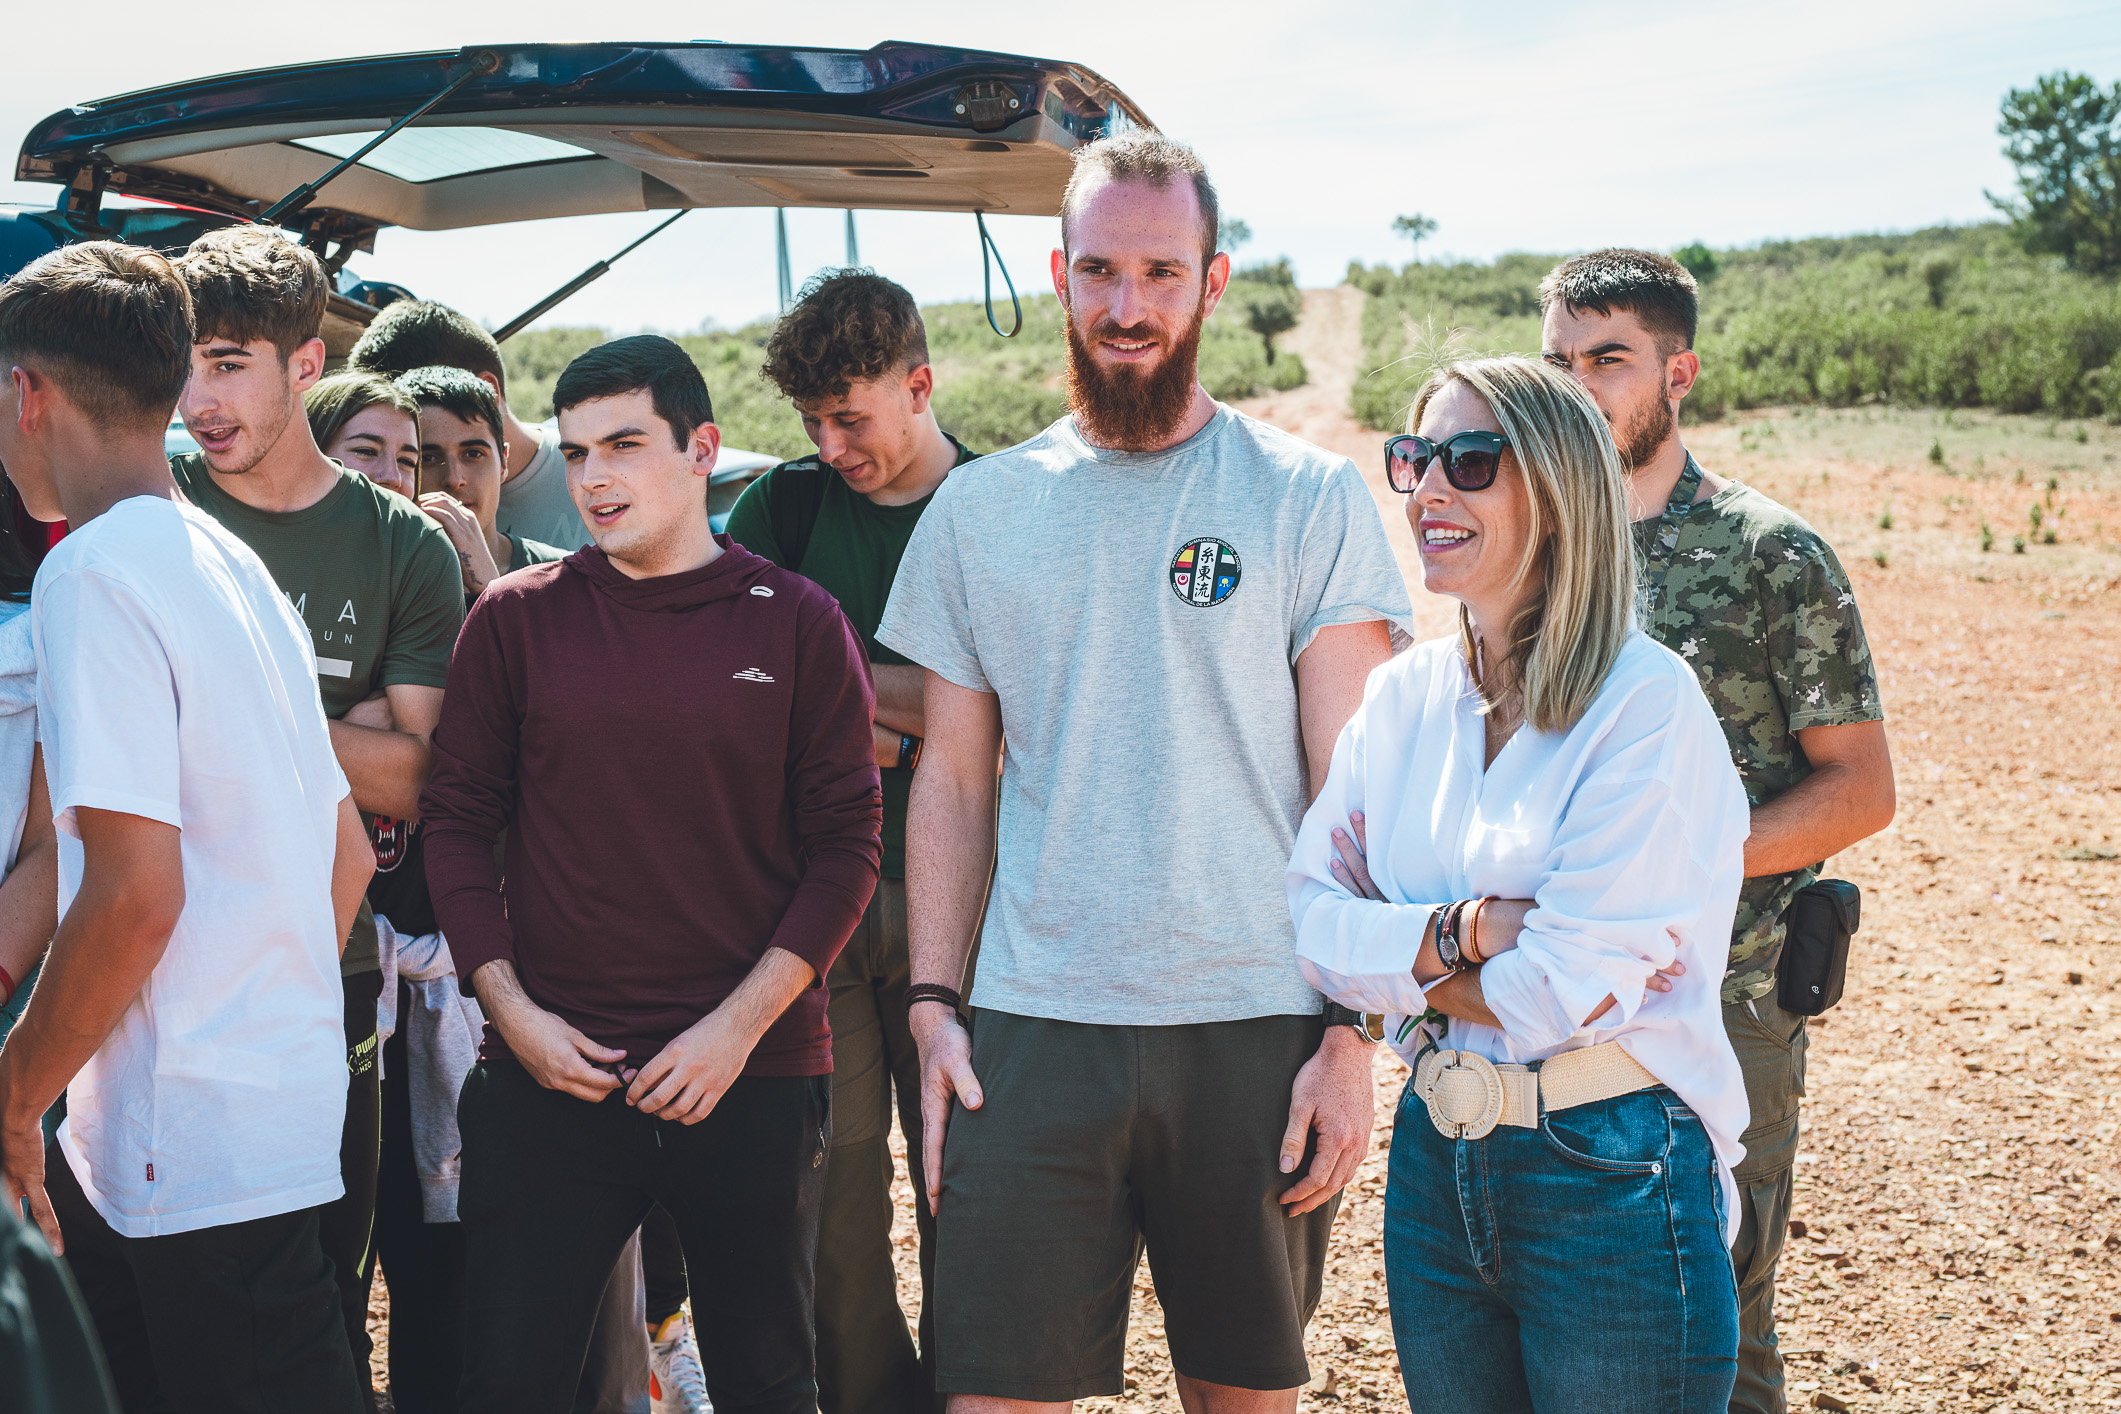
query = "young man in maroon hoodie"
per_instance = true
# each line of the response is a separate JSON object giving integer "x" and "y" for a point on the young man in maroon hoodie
{"x": 675, "y": 735}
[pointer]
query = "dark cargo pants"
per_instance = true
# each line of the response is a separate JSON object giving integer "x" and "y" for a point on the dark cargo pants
{"x": 866, "y": 1358}
{"x": 1770, "y": 1043}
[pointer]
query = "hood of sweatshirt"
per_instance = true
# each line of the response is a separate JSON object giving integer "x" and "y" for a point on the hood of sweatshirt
{"x": 729, "y": 574}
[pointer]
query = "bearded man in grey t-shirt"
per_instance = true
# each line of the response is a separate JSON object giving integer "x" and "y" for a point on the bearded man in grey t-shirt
{"x": 1158, "y": 614}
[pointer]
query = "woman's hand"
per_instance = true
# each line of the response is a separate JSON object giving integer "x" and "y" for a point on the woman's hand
{"x": 1496, "y": 928}
{"x": 464, "y": 532}
{"x": 1351, "y": 860}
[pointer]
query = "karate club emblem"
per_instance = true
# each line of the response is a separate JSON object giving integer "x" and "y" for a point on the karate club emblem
{"x": 1204, "y": 572}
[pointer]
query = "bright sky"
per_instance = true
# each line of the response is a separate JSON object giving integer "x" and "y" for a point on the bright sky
{"x": 1529, "y": 126}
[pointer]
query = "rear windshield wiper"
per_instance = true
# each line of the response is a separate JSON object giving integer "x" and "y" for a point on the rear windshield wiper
{"x": 483, "y": 61}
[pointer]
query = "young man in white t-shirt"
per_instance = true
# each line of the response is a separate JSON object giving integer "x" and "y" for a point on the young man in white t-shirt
{"x": 211, "y": 862}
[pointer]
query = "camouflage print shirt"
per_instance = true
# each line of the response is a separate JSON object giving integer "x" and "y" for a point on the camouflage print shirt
{"x": 1755, "y": 599}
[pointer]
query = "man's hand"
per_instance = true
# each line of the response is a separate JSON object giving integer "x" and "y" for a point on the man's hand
{"x": 22, "y": 1163}
{"x": 557, "y": 1056}
{"x": 387, "y": 764}
{"x": 474, "y": 555}
{"x": 688, "y": 1077}
{"x": 946, "y": 1074}
{"x": 1332, "y": 1097}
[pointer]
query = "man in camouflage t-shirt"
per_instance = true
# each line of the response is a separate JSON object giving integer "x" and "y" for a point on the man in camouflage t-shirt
{"x": 1754, "y": 599}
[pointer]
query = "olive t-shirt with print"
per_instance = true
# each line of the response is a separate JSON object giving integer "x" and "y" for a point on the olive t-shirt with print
{"x": 1757, "y": 604}
{"x": 375, "y": 580}
{"x": 854, "y": 549}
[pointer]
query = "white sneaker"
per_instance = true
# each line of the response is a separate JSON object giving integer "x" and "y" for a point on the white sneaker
{"x": 676, "y": 1383}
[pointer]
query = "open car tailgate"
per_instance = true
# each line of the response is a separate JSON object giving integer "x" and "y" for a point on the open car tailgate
{"x": 544, "y": 130}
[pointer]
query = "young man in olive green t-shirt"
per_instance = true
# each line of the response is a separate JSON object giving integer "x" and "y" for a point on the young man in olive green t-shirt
{"x": 853, "y": 357}
{"x": 373, "y": 578}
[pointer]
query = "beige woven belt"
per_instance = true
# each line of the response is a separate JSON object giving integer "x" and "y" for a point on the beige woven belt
{"x": 1468, "y": 1094}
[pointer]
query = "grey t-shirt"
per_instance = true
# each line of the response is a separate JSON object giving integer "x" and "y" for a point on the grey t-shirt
{"x": 1139, "y": 616}
{"x": 534, "y": 502}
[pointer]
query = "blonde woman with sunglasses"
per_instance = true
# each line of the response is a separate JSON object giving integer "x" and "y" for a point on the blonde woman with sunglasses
{"x": 1532, "y": 835}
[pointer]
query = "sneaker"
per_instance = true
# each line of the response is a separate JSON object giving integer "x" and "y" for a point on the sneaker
{"x": 676, "y": 1383}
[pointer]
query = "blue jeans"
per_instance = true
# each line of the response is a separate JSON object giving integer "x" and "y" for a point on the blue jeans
{"x": 1575, "y": 1267}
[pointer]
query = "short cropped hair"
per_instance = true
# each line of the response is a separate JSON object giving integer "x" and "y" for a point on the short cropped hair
{"x": 1655, "y": 288}
{"x": 457, "y": 391}
{"x": 650, "y": 362}
{"x": 418, "y": 333}
{"x": 110, "y": 324}
{"x": 335, "y": 401}
{"x": 1143, "y": 156}
{"x": 250, "y": 283}
{"x": 848, "y": 326}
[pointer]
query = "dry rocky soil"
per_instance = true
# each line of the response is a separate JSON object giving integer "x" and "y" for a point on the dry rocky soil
{"x": 1957, "y": 1234}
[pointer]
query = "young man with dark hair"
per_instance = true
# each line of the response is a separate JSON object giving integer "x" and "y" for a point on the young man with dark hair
{"x": 211, "y": 862}
{"x": 422, "y": 334}
{"x": 462, "y": 444}
{"x": 660, "y": 704}
{"x": 1754, "y": 598}
{"x": 1159, "y": 614}
{"x": 852, "y": 355}
{"x": 374, "y": 580}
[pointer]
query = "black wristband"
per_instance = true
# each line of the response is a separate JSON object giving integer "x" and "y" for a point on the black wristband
{"x": 934, "y": 992}
{"x": 909, "y": 751}
{"x": 1337, "y": 1015}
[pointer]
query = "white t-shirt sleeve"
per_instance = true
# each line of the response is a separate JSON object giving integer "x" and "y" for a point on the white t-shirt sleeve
{"x": 1347, "y": 574}
{"x": 111, "y": 738}
{"x": 929, "y": 615}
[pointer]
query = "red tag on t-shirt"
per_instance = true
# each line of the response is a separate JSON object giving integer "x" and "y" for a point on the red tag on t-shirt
{"x": 150, "y": 1173}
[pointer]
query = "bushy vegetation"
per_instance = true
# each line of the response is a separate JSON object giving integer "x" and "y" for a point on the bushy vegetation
{"x": 992, "y": 393}
{"x": 1266, "y": 298}
{"x": 1948, "y": 317}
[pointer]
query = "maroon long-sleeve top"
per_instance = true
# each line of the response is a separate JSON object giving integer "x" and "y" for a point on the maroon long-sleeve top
{"x": 684, "y": 769}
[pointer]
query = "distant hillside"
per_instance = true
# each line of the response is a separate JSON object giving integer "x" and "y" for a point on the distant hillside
{"x": 1948, "y": 317}
{"x": 991, "y": 392}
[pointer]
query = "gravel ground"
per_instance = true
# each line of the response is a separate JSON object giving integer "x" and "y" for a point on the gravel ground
{"x": 1960, "y": 1243}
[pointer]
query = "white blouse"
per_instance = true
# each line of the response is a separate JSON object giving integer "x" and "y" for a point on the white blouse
{"x": 1628, "y": 831}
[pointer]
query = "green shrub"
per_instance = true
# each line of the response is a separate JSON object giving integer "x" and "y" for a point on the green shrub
{"x": 990, "y": 411}
{"x": 1947, "y": 317}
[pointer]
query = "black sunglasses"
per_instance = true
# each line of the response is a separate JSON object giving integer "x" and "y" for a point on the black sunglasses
{"x": 1470, "y": 460}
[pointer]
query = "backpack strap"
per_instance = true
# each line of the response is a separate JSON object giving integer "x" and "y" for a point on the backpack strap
{"x": 794, "y": 495}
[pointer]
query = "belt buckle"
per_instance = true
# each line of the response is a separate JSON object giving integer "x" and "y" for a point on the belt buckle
{"x": 1464, "y": 1095}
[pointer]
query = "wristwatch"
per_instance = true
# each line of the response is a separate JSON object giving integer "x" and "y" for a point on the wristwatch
{"x": 909, "y": 751}
{"x": 1369, "y": 1025}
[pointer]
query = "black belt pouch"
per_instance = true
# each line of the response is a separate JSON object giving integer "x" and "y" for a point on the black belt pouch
{"x": 1817, "y": 927}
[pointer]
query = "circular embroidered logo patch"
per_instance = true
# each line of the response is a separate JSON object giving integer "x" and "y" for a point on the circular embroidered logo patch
{"x": 1204, "y": 572}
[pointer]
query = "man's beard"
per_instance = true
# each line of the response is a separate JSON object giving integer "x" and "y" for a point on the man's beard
{"x": 1646, "y": 431}
{"x": 1122, "y": 407}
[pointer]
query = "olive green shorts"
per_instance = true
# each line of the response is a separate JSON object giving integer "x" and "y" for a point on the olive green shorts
{"x": 1093, "y": 1144}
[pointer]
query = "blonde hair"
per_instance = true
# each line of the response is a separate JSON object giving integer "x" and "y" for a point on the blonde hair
{"x": 1578, "y": 558}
